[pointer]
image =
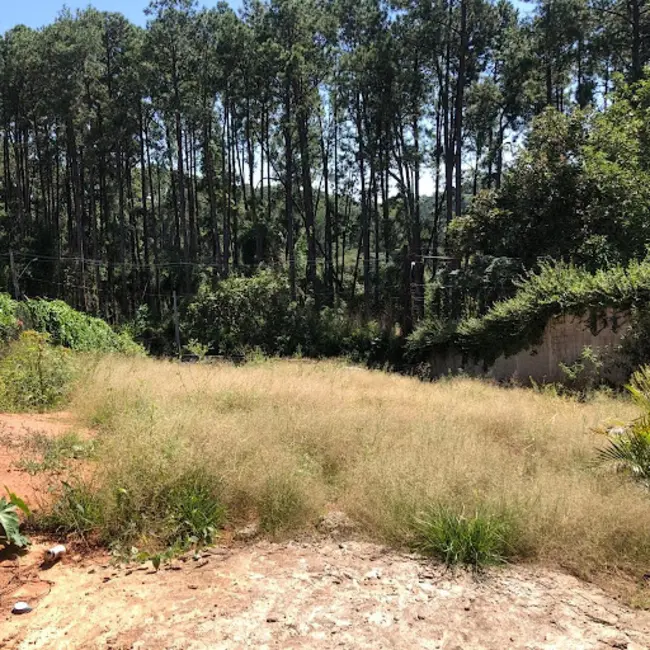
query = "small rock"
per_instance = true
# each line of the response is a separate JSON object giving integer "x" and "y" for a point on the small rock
{"x": 373, "y": 574}
{"x": 77, "y": 558}
{"x": 192, "y": 586}
{"x": 106, "y": 579}
{"x": 272, "y": 619}
{"x": 335, "y": 522}
{"x": 92, "y": 570}
{"x": 247, "y": 533}
{"x": 21, "y": 608}
{"x": 202, "y": 563}
{"x": 220, "y": 550}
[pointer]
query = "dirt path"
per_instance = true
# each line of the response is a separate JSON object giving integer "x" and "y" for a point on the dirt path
{"x": 14, "y": 430}
{"x": 318, "y": 595}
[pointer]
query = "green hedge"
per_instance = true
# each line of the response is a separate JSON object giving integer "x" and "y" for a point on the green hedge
{"x": 64, "y": 325}
{"x": 515, "y": 324}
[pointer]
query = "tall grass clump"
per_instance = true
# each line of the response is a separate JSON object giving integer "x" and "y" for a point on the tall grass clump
{"x": 455, "y": 536}
{"x": 489, "y": 473}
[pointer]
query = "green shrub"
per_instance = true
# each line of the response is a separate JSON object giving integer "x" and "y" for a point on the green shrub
{"x": 34, "y": 375}
{"x": 76, "y": 508}
{"x": 172, "y": 513}
{"x": 9, "y": 321}
{"x": 257, "y": 313}
{"x": 478, "y": 539}
{"x": 244, "y": 313}
{"x": 75, "y": 330}
{"x": 195, "y": 512}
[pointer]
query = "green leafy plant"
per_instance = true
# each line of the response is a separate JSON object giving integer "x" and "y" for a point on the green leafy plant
{"x": 199, "y": 350}
{"x": 34, "y": 375}
{"x": 10, "y": 522}
{"x": 629, "y": 450}
{"x": 477, "y": 539}
{"x": 72, "y": 329}
{"x": 585, "y": 375}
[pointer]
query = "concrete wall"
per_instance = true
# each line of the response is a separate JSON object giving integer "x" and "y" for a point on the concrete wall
{"x": 563, "y": 341}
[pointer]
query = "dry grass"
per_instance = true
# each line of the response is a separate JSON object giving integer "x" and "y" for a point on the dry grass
{"x": 284, "y": 440}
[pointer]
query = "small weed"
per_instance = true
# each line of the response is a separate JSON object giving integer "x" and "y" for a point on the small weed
{"x": 478, "y": 539}
{"x": 195, "y": 513}
{"x": 76, "y": 509}
{"x": 54, "y": 453}
{"x": 199, "y": 350}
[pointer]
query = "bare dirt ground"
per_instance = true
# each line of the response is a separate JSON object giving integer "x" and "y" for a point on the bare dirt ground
{"x": 13, "y": 430}
{"x": 319, "y": 593}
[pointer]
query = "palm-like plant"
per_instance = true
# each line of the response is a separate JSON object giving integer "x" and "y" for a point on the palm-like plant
{"x": 630, "y": 451}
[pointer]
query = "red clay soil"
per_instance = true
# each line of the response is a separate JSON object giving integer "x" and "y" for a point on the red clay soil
{"x": 15, "y": 428}
{"x": 317, "y": 594}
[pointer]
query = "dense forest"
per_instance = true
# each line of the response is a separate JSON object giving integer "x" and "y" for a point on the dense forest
{"x": 397, "y": 160}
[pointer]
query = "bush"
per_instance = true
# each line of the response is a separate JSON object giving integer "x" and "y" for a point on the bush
{"x": 257, "y": 313}
{"x": 9, "y": 322}
{"x": 75, "y": 330}
{"x": 245, "y": 313}
{"x": 479, "y": 539}
{"x": 34, "y": 375}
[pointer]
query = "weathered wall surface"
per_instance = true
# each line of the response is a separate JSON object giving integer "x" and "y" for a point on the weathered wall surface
{"x": 563, "y": 341}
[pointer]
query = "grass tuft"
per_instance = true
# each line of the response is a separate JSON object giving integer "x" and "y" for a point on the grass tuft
{"x": 478, "y": 539}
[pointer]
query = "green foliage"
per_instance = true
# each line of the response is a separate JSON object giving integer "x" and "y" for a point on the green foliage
{"x": 585, "y": 375}
{"x": 194, "y": 510}
{"x": 480, "y": 538}
{"x": 76, "y": 508}
{"x": 199, "y": 350}
{"x": 629, "y": 450}
{"x": 34, "y": 375}
{"x": 256, "y": 313}
{"x": 579, "y": 192}
{"x": 10, "y": 523}
{"x": 74, "y": 330}
{"x": 167, "y": 514}
{"x": 244, "y": 313}
{"x": 9, "y": 321}
{"x": 513, "y": 325}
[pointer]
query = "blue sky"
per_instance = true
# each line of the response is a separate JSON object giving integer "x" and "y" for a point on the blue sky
{"x": 36, "y": 13}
